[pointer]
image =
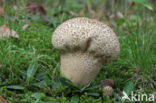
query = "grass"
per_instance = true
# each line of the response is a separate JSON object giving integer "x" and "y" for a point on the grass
{"x": 34, "y": 52}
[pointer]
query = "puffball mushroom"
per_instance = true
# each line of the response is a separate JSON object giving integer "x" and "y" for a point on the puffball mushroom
{"x": 85, "y": 45}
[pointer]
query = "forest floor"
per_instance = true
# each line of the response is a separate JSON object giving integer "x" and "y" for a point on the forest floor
{"x": 30, "y": 66}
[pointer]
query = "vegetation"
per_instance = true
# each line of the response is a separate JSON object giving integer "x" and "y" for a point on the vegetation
{"x": 30, "y": 66}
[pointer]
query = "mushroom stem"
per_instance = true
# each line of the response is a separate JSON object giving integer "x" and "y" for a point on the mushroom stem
{"x": 80, "y": 68}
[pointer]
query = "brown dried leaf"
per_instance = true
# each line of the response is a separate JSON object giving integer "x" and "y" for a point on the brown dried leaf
{"x": 33, "y": 7}
{"x": 82, "y": 12}
{"x": 107, "y": 22}
{"x": 2, "y": 13}
{"x": 2, "y": 100}
{"x": 6, "y": 32}
{"x": 1, "y": 3}
{"x": 133, "y": 4}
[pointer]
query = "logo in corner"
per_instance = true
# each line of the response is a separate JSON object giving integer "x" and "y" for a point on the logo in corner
{"x": 125, "y": 96}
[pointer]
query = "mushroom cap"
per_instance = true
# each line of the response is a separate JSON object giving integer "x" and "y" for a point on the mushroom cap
{"x": 87, "y": 35}
{"x": 107, "y": 82}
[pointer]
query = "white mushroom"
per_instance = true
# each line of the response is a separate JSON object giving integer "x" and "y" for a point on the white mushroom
{"x": 108, "y": 90}
{"x": 85, "y": 45}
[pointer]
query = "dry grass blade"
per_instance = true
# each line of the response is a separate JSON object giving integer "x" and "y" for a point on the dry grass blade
{"x": 2, "y": 100}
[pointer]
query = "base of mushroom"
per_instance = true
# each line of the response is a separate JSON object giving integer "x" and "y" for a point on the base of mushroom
{"x": 80, "y": 68}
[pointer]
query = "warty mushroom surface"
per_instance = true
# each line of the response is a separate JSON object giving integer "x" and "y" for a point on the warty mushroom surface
{"x": 85, "y": 45}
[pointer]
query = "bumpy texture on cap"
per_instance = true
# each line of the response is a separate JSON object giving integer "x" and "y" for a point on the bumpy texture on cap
{"x": 85, "y": 45}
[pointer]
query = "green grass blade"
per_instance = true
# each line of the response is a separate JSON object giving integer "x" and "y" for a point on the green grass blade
{"x": 31, "y": 71}
{"x": 16, "y": 87}
{"x": 66, "y": 82}
{"x": 95, "y": 94}
{"x": 144, "y": 3}
{"x": 129, "y": 87}
{"x": 74, "y": 99}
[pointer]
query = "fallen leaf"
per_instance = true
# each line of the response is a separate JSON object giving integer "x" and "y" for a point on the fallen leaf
{"x": 133, "y": 4}
{"x": 33, "y": 7}
{"x": 2, "y": 100}
{"x": 6, "y": 32}
{"x": 2, "y": 12}
{"x": 26, "y": 26}
{"x": 1, "y": 3}
{"x": 82, "y": 12}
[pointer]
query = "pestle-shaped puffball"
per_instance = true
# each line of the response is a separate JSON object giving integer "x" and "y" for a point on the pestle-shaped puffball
{"x": 85, "y": 45}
